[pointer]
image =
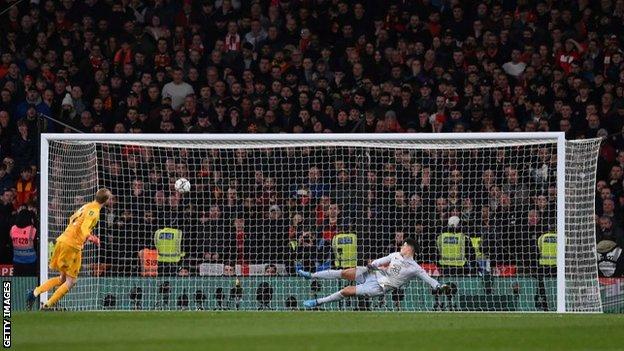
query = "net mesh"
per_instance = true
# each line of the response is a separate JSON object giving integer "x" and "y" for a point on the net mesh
{"x": 257, "y": 211}
{"x": 72, "y": 181}
{"x": 582, "y": 289}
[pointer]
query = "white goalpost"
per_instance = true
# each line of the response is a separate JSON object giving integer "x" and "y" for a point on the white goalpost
{"x": 506, "y": 218}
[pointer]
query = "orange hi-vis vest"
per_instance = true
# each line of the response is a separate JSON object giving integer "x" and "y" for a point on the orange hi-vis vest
{"x": 149, "y": 262}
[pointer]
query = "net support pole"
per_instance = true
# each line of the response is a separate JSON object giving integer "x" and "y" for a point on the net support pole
{"x": 43, "y": 214}
{"x": 561, "y": 237}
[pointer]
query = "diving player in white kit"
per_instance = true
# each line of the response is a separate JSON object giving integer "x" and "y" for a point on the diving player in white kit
{"x": 379, "y": 277}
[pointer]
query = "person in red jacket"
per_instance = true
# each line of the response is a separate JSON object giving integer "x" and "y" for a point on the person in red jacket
{"x": 570, "y": 52}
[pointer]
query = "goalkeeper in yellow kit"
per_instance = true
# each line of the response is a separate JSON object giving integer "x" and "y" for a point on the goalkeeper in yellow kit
{"x": 68, "y": 250}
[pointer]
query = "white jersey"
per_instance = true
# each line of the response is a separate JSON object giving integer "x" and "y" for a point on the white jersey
{"x": 399, "y": 271}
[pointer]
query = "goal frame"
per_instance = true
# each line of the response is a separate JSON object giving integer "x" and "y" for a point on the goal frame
{"x": 271, "y": 139}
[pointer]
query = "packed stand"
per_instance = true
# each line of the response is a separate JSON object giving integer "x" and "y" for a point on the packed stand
{"x": 310, "y": 66}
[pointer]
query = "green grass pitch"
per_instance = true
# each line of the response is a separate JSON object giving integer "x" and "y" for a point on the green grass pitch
{"x": 314, "y": 331}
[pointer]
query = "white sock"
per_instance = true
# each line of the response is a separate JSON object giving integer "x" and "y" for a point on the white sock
{"x": 328, "y": 274}
{"x": 333, "y": 297}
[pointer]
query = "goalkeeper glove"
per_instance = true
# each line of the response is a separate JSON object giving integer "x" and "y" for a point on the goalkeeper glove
{"x": 442, "y": 289}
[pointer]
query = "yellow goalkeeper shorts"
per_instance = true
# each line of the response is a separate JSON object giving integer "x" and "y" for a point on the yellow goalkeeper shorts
{"x": 66, "y": 259}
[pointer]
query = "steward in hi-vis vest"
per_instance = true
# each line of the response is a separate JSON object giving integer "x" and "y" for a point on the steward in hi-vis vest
{"x": 452, "y": 249}
{"x": 168, "y": 242}
{"x": 547, "y": 246}
{"x": 456, "y": 254}
{"x": 345, "y": 250}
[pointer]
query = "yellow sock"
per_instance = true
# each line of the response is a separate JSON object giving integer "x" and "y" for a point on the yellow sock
{"x": 47, "y": 285}
{"x": 58, "y": 294}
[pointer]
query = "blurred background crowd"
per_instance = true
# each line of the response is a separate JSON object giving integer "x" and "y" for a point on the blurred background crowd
{"x": 317, "y": 66}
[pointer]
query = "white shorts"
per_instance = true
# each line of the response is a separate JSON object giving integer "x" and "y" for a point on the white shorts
{"x": 367, "y": 284}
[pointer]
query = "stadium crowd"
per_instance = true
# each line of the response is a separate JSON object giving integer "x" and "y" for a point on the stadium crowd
{"x": 316, "y": 66}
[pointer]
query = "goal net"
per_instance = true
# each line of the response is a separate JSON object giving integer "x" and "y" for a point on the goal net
{"x": 506, "y": 219}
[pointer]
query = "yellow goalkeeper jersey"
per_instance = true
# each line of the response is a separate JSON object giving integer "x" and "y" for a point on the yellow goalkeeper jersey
{"x": 81, "y": 223}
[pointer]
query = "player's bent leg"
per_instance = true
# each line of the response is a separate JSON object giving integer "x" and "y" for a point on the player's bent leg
{"x": 70, "y": 281}
{"x": 44, "y": 287}
{"x": 61, "y": 291}
{"x": 348, "y": 291}
{"x": 349, "y": 274}
{"x": 47, "y": 285}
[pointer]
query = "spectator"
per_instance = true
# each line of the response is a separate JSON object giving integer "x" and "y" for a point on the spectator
{"x": 239, "y": 67}
{"x": 256, "y": 35}
{"x": 333, "y": 223}
{"x": 345, "y": 193}
{"x": 307, "y": 253}
{"x": 240, "y": 242}
{"x": 6, "y": 181}
{"x": 177, "y": 89}
{"x": 514, "y": 186}
{"x": 269, "y": 124}
{"x": 608, "y": 210}
{"x": 6, "y": 130}
{"x": 23, "y": 146}
{"x": 32, "y": 99}
{"x": 26, "y": 189}
{"x": 270, "y": 270}
{"x": 274, "y": 236}
{"x": 615, "y": 180}
{"x": 314, "y": 183}
{"x": 535, "y": 227}
{"x": 607, "y": 230}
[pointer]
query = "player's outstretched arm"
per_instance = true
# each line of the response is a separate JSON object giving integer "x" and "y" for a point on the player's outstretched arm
{"x": 424, "y": 276}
